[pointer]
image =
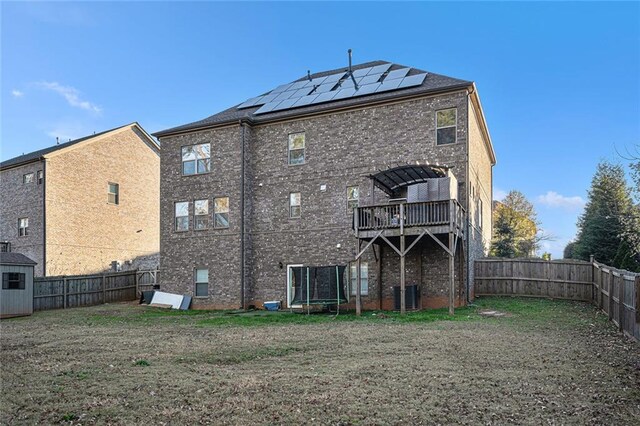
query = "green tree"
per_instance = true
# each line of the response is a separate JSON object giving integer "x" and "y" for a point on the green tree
{"x": 602, "y": 231}
{"x": 568, "y": 250}
{"x": 515, "y": 227}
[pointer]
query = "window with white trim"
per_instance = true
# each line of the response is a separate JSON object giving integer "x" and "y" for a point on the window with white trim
{"x": 27, "y": 178}
{"x": 113, "y": 193}
{"x": 182, "y": 216}
{"x": 202, "y": 283}
{"x": 221, "y": 212}
{"x": 296, "y": 148}
{"x": 196, "y": 159}
{"x": 201, "y": 214}
{"x": 23, "y": 226}
{"x": 446, "y": 126}
{"x": 364, "y": 278}
{"x": 353, "y": 197}
{"x": 295, "y": 205}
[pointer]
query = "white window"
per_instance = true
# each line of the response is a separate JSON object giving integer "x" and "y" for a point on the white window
{"x": 113, "y": 193}
{"x": 23, "y": 226}
{"x": 201, "y": 213}
{"x": 296, "y": 148}
{"x": 202, "y": 283}
{"x": 196, "y": 159}
{"x": 446, "y": 126}
{"x": 364, "y": 278}
{"x": 40, "y": 177}
{"x": 295, "y": 205}
{"x": 221, "y": 212}
{"x": 182, "y": 216}
{"x": 353, "y": 196}
{"x": 28, "y": 178}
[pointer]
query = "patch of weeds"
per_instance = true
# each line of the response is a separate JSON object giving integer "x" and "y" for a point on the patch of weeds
{"x": 80, "y": 375}
{"x": 69, "y": 417}
{"x": 142, "y": 363}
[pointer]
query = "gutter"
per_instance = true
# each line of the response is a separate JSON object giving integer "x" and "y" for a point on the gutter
{"x": 467, "y": 196}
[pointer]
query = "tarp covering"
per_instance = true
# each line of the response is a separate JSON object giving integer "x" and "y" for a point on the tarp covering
{"x": 325, "y": 284}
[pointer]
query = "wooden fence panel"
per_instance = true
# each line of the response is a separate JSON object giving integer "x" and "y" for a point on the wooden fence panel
{"x": 616, "y": 292}
{"x": 83, "y": 290}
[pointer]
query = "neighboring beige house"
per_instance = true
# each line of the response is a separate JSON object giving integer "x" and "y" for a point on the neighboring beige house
{"x": 79, "y": 206}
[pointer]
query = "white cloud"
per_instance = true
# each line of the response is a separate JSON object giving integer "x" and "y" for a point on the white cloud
{"x": 553, "y": 199}
{"x": 71, "y": 94}
{"x": 499, "y": 194}
{"x": 16, "y": 93}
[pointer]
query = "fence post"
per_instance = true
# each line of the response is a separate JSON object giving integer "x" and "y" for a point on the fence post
{"x": 137, "y": 284}
{"x": 637, "y": 298}
{"x": 612, "y": 279}
{"x": 64, "y": 292}
{"x": 593, "y": 278}
{"x": 104, "y": 289}
{"x": 621, "y": 304}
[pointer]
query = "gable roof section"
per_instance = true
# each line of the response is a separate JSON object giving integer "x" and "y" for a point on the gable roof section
{"x": 11, "y": 258}
{"x": 433, "y": 83}
{"x": 42, "y": 153}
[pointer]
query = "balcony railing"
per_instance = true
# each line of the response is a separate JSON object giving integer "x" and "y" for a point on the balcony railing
{"x": 404, "y": 215}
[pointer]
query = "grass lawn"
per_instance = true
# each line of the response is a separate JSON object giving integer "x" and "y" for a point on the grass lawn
{"x": 542, "y": 362}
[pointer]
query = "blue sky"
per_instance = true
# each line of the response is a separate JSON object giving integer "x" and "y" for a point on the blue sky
{"x": 559, "y": 82}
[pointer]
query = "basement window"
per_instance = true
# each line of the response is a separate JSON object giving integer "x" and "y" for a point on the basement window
{"x": 182, "y": 216}
{"x": 364, "y": 278}
{"x": 353, "y": 196}
{"x": 446, "y": 126}
{"x": 196, "y": 159}
{"x": 13, "y": 281}
{"x": 27, "y": 178}
{"x": 295, "y": 205}
{"x": 113, "y": 193}
{"x": 23, "y": 226}
{"x": 296, "y": 148}
{"x": 202, "y": 283}
{"x": 201, "y": 210}
{"x": 221, "y": 212}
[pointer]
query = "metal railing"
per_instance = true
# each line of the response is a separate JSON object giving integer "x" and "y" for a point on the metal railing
{"x": 402, "y": 214}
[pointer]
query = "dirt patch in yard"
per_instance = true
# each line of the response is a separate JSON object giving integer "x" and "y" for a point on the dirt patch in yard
{"x": 544, "y": 362}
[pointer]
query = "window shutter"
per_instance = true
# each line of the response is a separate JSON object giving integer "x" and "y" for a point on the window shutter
{"x": 5, "y": 280}
{"x": 22, "y": 279}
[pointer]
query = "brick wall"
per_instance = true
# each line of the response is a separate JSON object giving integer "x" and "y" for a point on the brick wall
{"x": 341, "y": 150}
{"x": 18, "y": 200}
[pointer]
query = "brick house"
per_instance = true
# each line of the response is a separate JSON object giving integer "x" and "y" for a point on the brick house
{"x": 78, "y": 206}
{"x": 377, "y": 165}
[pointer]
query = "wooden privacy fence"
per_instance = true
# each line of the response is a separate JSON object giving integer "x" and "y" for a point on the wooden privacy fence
{"x": 615, "y": 291}
{"x": 84, "y": 290}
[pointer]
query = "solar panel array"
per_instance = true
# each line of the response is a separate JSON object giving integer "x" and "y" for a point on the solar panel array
{"x": 333, "y": 87}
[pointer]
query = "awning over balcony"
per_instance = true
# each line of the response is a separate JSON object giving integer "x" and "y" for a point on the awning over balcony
{"x": 391, "y": 180}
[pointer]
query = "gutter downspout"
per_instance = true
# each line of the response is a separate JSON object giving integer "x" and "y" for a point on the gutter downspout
{"x": 467, "y": 189}
{"x": 242, "y": 236}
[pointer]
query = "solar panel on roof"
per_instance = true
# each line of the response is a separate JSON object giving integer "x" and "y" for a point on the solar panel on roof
{"x": 323, "y": 97}
{"x": 284, "y": 95}
{"x": 324, "y": 87}
{"x": 334, "y": 77}
{"x": 367, "y": 88}
{"x": 316, "y": 81}
{"x": 281, "y": 88}
{"x": 305, "y": 100}
{"x": 395, "y": 74}
{"x": 267, "y": 107}
{"x": 287, "y": 103}
{"x": 379, "y": 69}
{"x": 349, "y": 83}
{"x": 361, "y": 72}
{"x": 250, "y": 102}
{"x": 345, "y": 93}
{"x": 412, "y": 80}
{"x": 302, "y": 92}
{"x": 389, "y": 85}
{"x": 370, "y": 79}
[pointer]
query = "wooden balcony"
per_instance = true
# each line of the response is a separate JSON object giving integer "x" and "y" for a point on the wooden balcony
{"x": 404, "y": 218}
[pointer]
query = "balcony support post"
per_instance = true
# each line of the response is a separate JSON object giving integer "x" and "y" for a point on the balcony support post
{"x": 402, "y": 275}
{"x": 358, "y": 285}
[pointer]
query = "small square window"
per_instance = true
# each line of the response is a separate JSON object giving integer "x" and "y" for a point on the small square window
{"x": 364, "y": 278}
{"x": 446, "y": 128}
{"x": 13, "y": 281}
{"x": 201, "y": 214}
{"x": 295, "y": 205}
{"x": 113, "y": 194}
{"x": 40, "y": 177}
{"x": 27, "y": 178}
{"x": 353, "y": 197}
{"x": 23, "y": 226}
{"x": 196, "y": 159}
{"x": 296, "y": 148}
{"x": 221, "y": 212}
{"x": 182, "y": 216}
{"x": 202, "y": 282}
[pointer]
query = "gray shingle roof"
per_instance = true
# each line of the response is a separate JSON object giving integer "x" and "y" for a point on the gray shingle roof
{"x": 432, "y": 83}
{"x": 36, "y": 155}
{"x": 10, "y": 258}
